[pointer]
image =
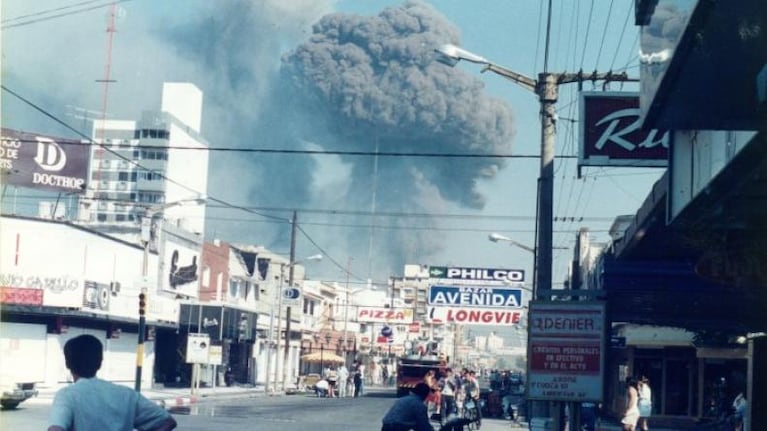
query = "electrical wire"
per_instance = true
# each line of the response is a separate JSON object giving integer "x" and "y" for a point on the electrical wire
{"x": 59, "y": 15}
{"x": 316, "y": 152}
{"x": 604, "y": 34}
{"x": 588, "y": 28}
{"x": 620, "y": 38}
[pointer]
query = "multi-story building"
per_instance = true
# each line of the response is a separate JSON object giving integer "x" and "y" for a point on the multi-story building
{"x": 148, "y": 163}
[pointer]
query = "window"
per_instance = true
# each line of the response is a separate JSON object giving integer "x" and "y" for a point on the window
{"x": 120, "y": 217}
{"x": 101, "y": 217}
{"x": 122, "y": 176}
{"x": 205, "y": 279}
{"x": 234, "y": 288}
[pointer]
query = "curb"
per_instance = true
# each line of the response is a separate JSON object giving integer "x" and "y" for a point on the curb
{"x": 182, "y": 401}
{"x": 177, "y": 402}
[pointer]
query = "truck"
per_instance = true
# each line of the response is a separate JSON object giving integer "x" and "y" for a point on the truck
{"x": 411, "y": 370}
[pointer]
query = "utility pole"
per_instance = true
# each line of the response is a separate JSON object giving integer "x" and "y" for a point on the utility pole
{"x": 346, "y": 306}
{"x": 291, "y": 265}
{"x": 546, "y": 87}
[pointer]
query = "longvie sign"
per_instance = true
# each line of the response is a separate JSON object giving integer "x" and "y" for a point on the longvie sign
{"x": 566, "y": 351}
{"x": 611, "y": 133}
{"x": 473, "y": 316}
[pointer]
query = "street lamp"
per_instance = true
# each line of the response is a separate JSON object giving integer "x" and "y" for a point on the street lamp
{"x": 496, "y": 237}
{"x": 546, "y": 87}
{"x": 147, "y": 235}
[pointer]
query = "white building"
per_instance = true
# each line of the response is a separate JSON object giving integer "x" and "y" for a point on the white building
{"x": 158, "y": 160}
{"x": 60, "y": 280}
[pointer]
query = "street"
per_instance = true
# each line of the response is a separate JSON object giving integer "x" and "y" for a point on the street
{"x": 283, "y": 413}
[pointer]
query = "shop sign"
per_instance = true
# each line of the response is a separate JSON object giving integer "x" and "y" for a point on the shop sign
{"x": 21, "y": 296}
{"x": 473, "y": 316}
{"x": 43, "y": 162}
{"x": 611, "y": 132}
{"x": 464, "y": 275}
{"x": 566, "y": 351}
{"x": 197, "y": 348}
{"x": 384, "y": 315}
{"x": 475, "y": 296}
{"x": 61, "y": 290}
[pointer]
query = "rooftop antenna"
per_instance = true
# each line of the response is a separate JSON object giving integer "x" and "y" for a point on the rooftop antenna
{"x": 112, "y": 16}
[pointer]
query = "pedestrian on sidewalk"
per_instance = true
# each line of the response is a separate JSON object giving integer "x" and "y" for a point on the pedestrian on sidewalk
{"x": 631, "y": 414}
{"x": 343, "y": 377}
{"x": 94, "y": 404}
{"x": 644, "y": 403}
{"x": 357, "y": 380}
{"x": 332, "y": 378}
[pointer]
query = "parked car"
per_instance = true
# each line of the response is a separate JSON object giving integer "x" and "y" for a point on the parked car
{"x": 13, "y": 396}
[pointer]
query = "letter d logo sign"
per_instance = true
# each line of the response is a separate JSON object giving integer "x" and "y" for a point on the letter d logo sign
{"x": 50, "y": 156}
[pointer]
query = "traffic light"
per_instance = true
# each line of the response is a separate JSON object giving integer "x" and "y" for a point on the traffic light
{"x": 142, "y": 304}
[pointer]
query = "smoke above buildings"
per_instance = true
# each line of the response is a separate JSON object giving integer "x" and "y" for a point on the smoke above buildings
{"x": 292, "y": 75}
{"x": 360, "y": 84}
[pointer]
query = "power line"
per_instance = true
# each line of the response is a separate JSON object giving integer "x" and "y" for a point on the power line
{"x": 588, "y": 28}
{"x": 59, "y": 15}
{"x": 323, "y": 152}
{"x": 124, "y": 158}
{"x": 604, "y": 34}
{"x": 620, "y": 39}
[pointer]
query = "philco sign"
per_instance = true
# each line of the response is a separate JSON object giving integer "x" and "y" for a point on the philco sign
{"x": 611, "y": 133}
{"x": 31, "y": 160}
{"x": 463, "y": 275}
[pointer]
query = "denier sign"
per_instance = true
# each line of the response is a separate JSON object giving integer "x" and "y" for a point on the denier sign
{"x": 611, "y": 132}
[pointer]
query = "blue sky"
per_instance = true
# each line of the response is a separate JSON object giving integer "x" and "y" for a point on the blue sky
{"x": 56, "y": 62}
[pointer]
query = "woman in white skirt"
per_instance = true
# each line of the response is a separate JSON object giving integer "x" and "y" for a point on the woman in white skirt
{"x": 631, "y": 415}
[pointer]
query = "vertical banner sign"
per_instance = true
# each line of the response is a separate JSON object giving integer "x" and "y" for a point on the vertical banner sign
{"x": 566, "y": 351}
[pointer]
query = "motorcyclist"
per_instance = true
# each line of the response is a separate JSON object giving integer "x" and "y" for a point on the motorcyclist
{"x": 409, "y": 412}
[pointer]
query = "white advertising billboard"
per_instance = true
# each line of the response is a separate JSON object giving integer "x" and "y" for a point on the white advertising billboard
{"x": 566, "y": 351}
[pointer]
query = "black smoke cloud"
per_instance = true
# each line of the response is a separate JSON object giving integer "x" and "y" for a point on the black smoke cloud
{"x": 355, "y": 83}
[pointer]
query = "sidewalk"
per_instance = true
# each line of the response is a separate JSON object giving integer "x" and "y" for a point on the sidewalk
{"x": 171, "y": 397}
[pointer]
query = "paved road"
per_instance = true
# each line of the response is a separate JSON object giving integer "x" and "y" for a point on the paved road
{"x": 278, "y": 413}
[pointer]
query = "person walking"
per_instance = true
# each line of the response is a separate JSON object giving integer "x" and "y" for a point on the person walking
{"x": 409, "y": 412}
{"x": 644, "y": 403}
{"x": 94, "y": 404}
{"x": 332, "y": 378}
{"x": 449, "y": 389}
{"x": 343, "y": 377}
{"x": 357, "y": 380}
{"x": 631, "y": 414}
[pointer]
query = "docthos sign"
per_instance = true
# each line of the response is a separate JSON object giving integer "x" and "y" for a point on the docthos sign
{"x": 44, "y": 162}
